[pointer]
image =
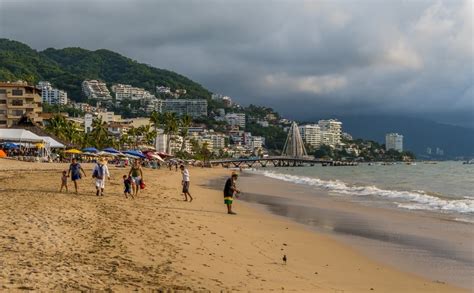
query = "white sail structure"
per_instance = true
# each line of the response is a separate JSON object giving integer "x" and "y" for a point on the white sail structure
{"x": 294, "y": 145}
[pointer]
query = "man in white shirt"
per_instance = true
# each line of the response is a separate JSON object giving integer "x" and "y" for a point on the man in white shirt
{"x": 100, "y": 171}
{"x": 185, "y": 183}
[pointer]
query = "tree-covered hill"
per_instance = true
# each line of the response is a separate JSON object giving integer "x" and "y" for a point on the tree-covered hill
{"x": 67, "y": 68}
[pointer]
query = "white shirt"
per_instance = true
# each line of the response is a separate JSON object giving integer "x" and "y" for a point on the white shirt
{"x": 105, "y": 170}
{"x": 185, "y": 173}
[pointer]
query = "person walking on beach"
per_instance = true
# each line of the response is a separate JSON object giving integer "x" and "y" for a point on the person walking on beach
{"x": 230, "y": 189}
{"x": 63, "y": 182}
{"x": 137, "y": 176}
{"x": 75, "y": 171}
{"x": 100, "y": 171}
{"x": 185, "y": 182}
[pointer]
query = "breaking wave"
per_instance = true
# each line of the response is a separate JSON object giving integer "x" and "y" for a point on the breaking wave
{"x": 414, "y": 200}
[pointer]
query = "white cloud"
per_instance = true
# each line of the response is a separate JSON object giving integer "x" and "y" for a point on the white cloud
{"x": 313, "y": 84}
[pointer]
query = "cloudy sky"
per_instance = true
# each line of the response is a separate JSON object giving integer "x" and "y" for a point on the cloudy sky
{"x": 305, "y": 58}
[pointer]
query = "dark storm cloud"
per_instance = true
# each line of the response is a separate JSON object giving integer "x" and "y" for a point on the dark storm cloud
{"x": 305, "y": 58}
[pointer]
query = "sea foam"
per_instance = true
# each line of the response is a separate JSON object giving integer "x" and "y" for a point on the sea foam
{"x": 414, "y": 200}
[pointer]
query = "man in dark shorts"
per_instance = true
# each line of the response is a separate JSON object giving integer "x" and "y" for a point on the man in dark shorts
{"x": 229, "y": 190}
{"x": 185, "y": 182}
{"x": 75, "y": 171}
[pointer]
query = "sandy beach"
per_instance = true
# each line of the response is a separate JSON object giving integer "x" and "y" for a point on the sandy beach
{"x": 53, "y": 241}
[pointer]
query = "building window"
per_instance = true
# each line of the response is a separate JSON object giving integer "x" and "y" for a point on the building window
{"x": 3, "y": 112}
{"x": 17, "y": 112}
{"x": 3, "y": 102}
{"x": 3, "y": 122}
{"x": 3, "y": 91}
{"x": 17, "y": 102}
{"x": 17, "y": 92}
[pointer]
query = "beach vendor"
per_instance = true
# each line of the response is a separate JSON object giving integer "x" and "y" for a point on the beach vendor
{"x": 75, "y": 172}
{"x": 137, "y": 176}
{"x": 99, "y": 173}
{"x": 230, "y": 189}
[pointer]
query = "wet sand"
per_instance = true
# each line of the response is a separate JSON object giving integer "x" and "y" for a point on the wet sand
{"x": 425, "y": 243}
{"x": 53, "y": 241}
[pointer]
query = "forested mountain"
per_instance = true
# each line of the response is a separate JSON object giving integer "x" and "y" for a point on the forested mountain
{"x": 67, "y": 68}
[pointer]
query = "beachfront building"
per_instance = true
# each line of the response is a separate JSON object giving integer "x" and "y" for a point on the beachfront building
{"x": 394, "y": 141}
{"x": 52, "y": 95}
{"x": 194, "y": 108}
{"x": 311, "y": 134}
{"x": 236, "y": 119}
{"x": 126, "y": 91}
{"x": 88, "y": 119}
{"x": 18, "y": 99}
{"x": 95, "y": 89}
{"x": 331, "y": 131}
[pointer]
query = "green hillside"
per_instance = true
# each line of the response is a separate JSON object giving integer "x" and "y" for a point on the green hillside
{"x": 67, "y": 68}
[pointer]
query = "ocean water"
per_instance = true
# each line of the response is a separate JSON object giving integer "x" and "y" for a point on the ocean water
{"x": 445, "y": 187}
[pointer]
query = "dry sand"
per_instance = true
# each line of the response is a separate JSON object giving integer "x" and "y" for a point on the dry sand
{"x": 53, "y": 241}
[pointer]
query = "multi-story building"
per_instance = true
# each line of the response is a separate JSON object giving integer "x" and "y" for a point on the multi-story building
{"x": 95, "y": 89}
{"x": 194, "y": 108}
{"x": 218, "y": 141}
{"x": 256, "y": 142}
{"x": 19, "y": 99}
{"x": 51, "y": 95}
{"x": 334, "y": 128}
{"x": 394, "y": 141}
{"x": 311, "y": 134}
{"x": 126, "y": 91}
{"x": 236, "y": 119}
{"x": 163, "y": 89}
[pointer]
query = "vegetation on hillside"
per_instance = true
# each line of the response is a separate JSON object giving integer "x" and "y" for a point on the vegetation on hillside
{"x": 67, "y": 68}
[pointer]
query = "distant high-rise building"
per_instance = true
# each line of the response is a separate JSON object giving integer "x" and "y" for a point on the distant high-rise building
{"x": 236, "y": 119}
{"x": 88, "y": 119}
{"x": 311, "y": 134}
{"x": 126, "y": 91}
{"x": 95, "y": 89}
{"x": 331, "y": 131}
{"x": 394, "y": 141}
{"x": 51, "y": 95}
{"x": 194, "y": 108}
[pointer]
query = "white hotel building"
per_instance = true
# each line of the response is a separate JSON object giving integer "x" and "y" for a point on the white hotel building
{"x": 126, "y": 91}
{"x": 326, "y": 132}
{"x": 51, "y": 95}
{"x": 394, "y": 141}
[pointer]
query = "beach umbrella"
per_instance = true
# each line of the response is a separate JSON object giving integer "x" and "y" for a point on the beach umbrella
{"x": 73, "y": 151}
{"x": 131, "y": 156}
{"x": 111, "y": 151}
{"x": 153, "y": 155}
{"x": 135, "y": 153}
{"x": 106, "y": 154}
{"x": 89, "y": 154}
{"x": 2, "y": 154}
{"x": 10, "y": 145}
{"x": 90, "y": 150}
{"x": 164, "y": 155}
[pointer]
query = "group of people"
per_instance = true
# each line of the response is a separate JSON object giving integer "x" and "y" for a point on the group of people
{"x": 133, "y": 181}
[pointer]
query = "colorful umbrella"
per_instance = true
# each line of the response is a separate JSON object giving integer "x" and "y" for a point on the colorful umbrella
{"x": 90, "y": 150}
{"x": 135, "y": 153}
{"x": 73, "y": 151}
{"x": 111, "y": 150}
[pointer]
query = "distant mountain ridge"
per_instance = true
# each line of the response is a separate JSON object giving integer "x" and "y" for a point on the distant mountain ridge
{"x": 418, "y": 134}
{"x": 67, "y": 68}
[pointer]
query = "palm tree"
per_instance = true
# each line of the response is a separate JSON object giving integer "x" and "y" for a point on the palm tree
{"x": 99, "y": 133}
{"x": 170, "y": 127}
{"x": 185, "y": 122}
{"x": 156, "y": 120}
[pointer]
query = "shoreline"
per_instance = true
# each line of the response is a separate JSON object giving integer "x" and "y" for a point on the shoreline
{"x": 59, "y": 241}
{"x": 427, "y": 244}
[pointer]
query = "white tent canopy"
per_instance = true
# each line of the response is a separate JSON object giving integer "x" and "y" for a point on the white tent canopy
{"x": 19, "y": 135}
{"x": 52, "y": 142}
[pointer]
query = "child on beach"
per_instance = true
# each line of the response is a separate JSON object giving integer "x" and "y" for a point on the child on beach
{"x": 63, "y": 181}
{"x": 127, "y": 182}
